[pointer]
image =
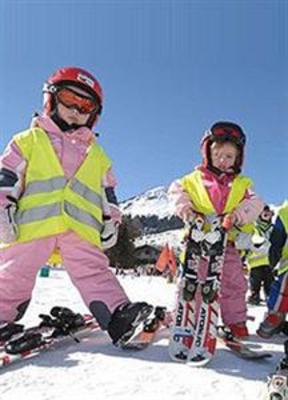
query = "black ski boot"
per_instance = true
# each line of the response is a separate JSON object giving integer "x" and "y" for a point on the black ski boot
{"x": 9, "y": 329}
{"x": 125, "y": 319}
{"x": 27, "y": 341}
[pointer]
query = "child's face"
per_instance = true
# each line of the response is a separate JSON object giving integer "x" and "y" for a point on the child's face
{"x": 72, "y": 115}
{"x": 223, "y": 155}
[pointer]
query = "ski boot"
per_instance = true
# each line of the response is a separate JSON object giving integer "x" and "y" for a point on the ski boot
{"x": 9, "y": 329}
{"x": 125, "y": 319}
{"x": 271, "y": 325}
{"x": 239, "y": 330}
{"x": 63, "y": 320}
{"x": 27, "y": 341}
{"x": 67, "y": 317}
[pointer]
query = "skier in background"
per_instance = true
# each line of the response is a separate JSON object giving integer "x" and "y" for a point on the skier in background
{"x": 216, "y": 187}
{"x": 257, "y": 257}
{"x": 57, "y": 192}
{"x": 278, "y": 259}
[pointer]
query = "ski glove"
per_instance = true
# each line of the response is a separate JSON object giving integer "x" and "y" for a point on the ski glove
{"x": 8, "y": 226}
{"x": 109, "y": 234}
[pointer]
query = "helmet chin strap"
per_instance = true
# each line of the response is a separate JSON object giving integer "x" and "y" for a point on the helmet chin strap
{"x": 63, "y": 124}
{"x": 218, "y": 172}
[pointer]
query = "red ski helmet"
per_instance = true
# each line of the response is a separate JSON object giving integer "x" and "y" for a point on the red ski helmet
{"x": 220, "y": 132}
{"x": 72, "y": 76}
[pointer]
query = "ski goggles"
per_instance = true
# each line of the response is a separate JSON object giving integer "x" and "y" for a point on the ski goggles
{"x": 229, "y": 132}
{"x": 71, "y": 99}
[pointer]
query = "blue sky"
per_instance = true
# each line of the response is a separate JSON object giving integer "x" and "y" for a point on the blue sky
{"x": 169, "y": 69}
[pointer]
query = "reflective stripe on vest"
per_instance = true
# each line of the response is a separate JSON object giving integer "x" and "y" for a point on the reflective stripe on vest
{"x": 256, "y": 260}
{"x": 52, "y": 204}
{"x": 38, "y": 213}
{"x": 82, "y": 216}
{"x": 84, "y": 191}
{"x": 52, "y": 210}
{"x": 49, "y": 185}
{"x": 45, "y": 186}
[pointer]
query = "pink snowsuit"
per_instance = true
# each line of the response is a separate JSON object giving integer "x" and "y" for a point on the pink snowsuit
{"x": 234, "y": 284}
{"x": 86, "y": 264}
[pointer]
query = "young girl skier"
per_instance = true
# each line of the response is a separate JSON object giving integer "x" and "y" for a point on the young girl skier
{"x": 256, "y": 257}
{"x": 217, "y": 188}
{"x": 57, "y": 192}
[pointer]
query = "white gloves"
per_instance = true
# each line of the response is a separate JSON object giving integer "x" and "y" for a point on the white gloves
{"x": 8, "y": 226}
{"x": 109, "y": 234}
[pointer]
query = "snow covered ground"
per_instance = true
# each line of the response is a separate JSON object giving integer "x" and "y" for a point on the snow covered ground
{"x": 94, "y": 369}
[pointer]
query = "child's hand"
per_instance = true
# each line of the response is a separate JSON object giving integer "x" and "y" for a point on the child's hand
{"x": 8, "y": 226}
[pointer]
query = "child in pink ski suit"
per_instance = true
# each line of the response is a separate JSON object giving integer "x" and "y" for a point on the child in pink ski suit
{"x": 57, "y": 192}
{"x": 213, "y": 188}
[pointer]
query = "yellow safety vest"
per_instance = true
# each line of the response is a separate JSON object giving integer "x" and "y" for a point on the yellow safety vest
{"x": 51, "y": 203}
{"x": 256, "y": 259}
{"x": 283, "y": 215}
{"x": 194, "y": 187}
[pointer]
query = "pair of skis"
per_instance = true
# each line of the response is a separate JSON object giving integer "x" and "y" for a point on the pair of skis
{"x": 57, "y": 327}
{"x": 60, "y": 326}
{"x": 193, "y": 337}
{"x": 194, "y": 334}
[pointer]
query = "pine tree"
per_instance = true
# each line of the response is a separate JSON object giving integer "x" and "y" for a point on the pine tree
{"x": 122, "y": 255}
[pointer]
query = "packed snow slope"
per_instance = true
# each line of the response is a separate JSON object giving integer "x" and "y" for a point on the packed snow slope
{"x": 95, "y": 369}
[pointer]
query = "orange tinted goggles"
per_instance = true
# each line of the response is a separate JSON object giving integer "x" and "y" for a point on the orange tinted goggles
{"x": 227, "y": 131}
{"x": 71, "y": 99}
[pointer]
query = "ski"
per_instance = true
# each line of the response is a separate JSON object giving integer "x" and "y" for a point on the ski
{"x": 205, "y": 336}
{"x": 182, "y": 332}
{"x": 149, "y": 331}
{"x": 239, "y": 348}
{"x": 50, "y": 332}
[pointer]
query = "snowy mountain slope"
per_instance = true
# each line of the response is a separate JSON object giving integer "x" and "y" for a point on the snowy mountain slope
{"x": 152, "y": 202}
{"x": 156, "y": 215}
{"x": 95, "y": 369}
{"x": 152, "y": 212}
{"x": 172, "y": 237}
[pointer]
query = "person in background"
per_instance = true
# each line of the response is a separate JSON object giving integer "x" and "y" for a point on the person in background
{"x": 260, "y": 272}
{"x": 57, "y": 192}
{"x": 216, "y": 187}
{"x": 278, "y": 259}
